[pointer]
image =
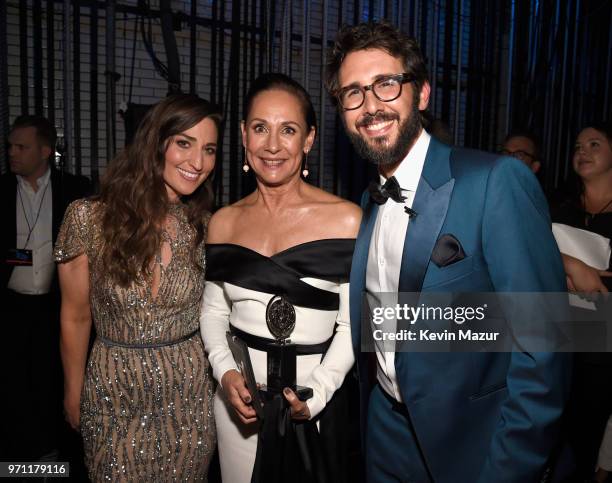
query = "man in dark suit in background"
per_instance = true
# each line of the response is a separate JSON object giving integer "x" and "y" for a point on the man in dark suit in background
{"x": 443, "y": 220}
{"x": 34, "y": 197}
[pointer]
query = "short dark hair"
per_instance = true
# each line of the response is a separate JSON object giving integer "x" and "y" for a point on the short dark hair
{"x": 526, "y": 133}
{"x": 604, "y": 127}
{"x": 45, "y": 131}
{"x": 375, "y": 35}
{"x": 274, "y": 80}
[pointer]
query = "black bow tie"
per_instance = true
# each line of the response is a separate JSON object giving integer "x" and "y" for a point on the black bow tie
{"x": 391, "y": 189}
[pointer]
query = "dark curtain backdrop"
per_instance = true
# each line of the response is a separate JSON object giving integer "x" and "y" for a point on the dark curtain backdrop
{"x": 494, "y": 65}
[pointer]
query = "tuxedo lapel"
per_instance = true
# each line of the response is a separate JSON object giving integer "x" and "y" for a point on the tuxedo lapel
{"x": 359, "y": 267}
{"x": 431, "y": 204}
{"x": 57, "y": 201}
{"x": 11, "y": 210}
{"x": 9, "y": 237}
{"x": 422, "y": 233}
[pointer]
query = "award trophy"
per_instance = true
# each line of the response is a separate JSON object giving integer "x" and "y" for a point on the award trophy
{"x": 280, "y": 318}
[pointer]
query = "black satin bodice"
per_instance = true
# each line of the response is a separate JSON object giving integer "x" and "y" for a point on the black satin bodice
{"x": 281, "y": 274}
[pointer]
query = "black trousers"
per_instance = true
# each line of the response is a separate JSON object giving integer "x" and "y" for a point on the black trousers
{"x": 31, "y": 373}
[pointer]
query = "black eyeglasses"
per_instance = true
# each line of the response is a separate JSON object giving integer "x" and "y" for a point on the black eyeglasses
{"x": 386, "y": 89}
{"x": 520, "y": 154}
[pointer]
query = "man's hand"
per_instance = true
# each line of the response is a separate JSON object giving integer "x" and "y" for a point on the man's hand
{"x": 238, "y": 395}
{"x": 299, "y": 409}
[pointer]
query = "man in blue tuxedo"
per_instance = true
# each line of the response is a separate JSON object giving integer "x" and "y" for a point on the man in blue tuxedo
{"x": 443, "y": 219}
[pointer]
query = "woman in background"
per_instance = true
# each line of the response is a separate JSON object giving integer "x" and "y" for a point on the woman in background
{"x": 132, "y": 259}
{"x": 589, "y": 208}
{"x": 288, "y": 243}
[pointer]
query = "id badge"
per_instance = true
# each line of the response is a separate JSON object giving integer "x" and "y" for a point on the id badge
{"x": 19, "y": 257}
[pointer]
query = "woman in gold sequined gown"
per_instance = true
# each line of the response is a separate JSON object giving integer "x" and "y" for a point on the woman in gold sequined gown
{"x": 132, "y": 260}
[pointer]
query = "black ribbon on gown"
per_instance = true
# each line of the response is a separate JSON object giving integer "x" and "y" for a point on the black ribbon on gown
{"x": 289, "y": 450}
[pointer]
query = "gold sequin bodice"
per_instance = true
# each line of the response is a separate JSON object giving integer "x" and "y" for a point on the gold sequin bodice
{"x": 134, "y": 315}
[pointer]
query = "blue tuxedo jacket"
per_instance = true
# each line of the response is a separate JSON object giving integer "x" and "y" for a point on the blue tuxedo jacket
{"x": 477, "y": 416}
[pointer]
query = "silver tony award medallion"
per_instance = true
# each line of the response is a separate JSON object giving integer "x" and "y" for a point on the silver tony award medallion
{"x": 282, "y": 354}
{"x": 280, "y": 318}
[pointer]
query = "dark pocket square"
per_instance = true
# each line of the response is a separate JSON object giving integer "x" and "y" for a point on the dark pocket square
{"x": 447, "y": 251}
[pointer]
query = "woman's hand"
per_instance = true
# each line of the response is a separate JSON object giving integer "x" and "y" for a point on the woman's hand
{"x": 601, "y": 476}
{"x": 299, "y": 409}
{"x": 582, "y": 277}
{"x": 72, "y": 410}
{"x": 238, "y": 395}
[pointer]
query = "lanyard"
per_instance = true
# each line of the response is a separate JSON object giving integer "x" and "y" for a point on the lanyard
{"x": 31, "y": 228}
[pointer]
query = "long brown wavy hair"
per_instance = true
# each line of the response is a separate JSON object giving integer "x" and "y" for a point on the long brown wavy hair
{"x": 133, "y": 192}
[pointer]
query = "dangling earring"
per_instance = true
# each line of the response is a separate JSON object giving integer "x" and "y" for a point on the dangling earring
{"x": 305, "y": 170}
{"x": 245, "y": 166}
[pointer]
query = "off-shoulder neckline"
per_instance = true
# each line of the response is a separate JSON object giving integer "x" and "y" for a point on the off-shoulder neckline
{"x": 282, "y": 252}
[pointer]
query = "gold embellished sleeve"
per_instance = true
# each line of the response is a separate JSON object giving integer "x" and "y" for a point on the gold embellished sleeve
{"x": 73, "y": 236}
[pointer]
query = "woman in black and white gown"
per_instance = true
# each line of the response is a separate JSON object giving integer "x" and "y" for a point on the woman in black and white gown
{"x": 287, "y": 239}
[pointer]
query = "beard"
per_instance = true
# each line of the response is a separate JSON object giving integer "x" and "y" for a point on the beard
{"x": 378, "y": 151}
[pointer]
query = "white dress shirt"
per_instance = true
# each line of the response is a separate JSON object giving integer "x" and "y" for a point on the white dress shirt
{"x": 35, "y": 279}
{"x": 385, "y": 254}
